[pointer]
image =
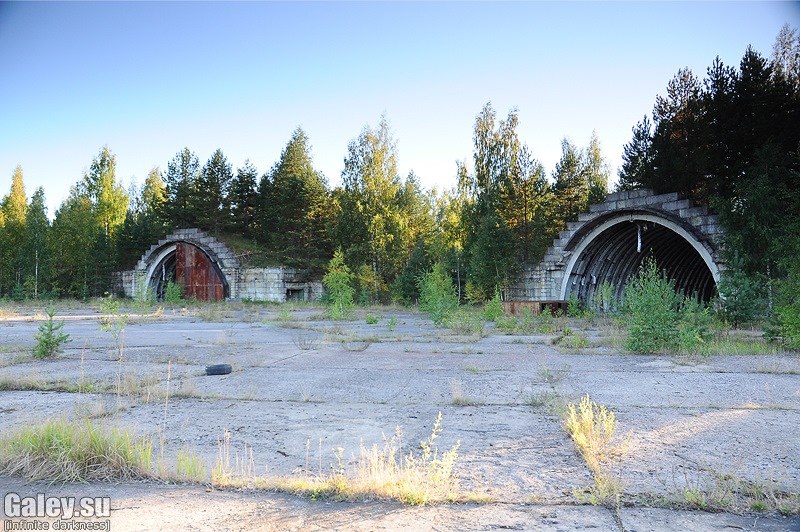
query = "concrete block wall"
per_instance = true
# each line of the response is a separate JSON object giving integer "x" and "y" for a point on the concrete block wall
{"x": 260, "y": 284}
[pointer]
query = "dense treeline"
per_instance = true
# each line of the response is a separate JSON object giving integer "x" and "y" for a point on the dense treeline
{"x": 389, "y": 229}
{"x": 731, "y": 141}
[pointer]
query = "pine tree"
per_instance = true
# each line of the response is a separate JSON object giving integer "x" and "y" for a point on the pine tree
{"x": 637, "y": 163}
{"x": 213, "y": 185}
{"x": 243, "y": 200}
{"x": 570, "y": 186}
{"x": 293, "y": 199}
{"x": 12, "y": 234}
{"x": 35, "y": 253}
{"x": 180, "y": 183}
{"x": 677, "y": 120}
{"x": 107, "y": 195}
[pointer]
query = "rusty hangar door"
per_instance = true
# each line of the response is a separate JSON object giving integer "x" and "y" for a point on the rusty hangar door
{"x": 199, "y": 276}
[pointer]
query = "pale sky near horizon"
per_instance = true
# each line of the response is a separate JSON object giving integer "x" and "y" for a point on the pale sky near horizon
{"x": 150, "y": 78}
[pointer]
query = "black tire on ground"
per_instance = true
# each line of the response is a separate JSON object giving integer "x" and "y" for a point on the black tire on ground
{"x": 218, "y": 369}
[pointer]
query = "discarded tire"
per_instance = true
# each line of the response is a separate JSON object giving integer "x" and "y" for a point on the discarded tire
{"x": 218, "y": 369}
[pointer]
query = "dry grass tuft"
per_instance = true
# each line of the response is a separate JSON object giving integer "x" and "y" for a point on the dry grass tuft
{"x": 60, "y": 451}
{"x": 386, "y": 473}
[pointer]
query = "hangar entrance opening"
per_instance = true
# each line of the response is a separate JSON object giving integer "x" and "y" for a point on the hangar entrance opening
{"x": 191, "y": 268}
{"x": 613, "y": 251}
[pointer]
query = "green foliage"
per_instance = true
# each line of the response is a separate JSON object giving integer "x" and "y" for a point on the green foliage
{"x": 379, "y": 218}
{"x": 18, "y": 293}
{"x": 494, "y": 308}
{"x": 109, "y": 199}
{"x": 180, "y": 185}
{"x": 695, "y": 323}
{"x": 213, "y": 185}
{"x": 338, "y": 282}
{"x": 504, "y": 206}
{"x": 13, "y": 213}
{"x": 570, "y": 186}
{"x": 50, "y": 336}
{"x": 466, "y": 321}
{"x": 173, "y": 293}
{"x": 603, "y": 300}
{"x": 405, "y": 287}
{"x": 371, "y": 319}
{"x": 113, "y": 322}
{"x": 651, "y": 306}
{"x": 144, "y": 296}
{"x": 741, "y": 295}
{"x": 144, "y": 222}
{"x": 294, "y": 208}
{"x": 243, "y": 200}
{"x": 714, "y": 140}
{"x": 437, "y": 294}
{"x": 35, "y": 253}
{"x": 570, "y": 340}
{"x": 575, "y": 307}
{"x": 786, "y": 323}
{"x": 660, "y": 320}
{"x": 370, "y": 289}
{"x": 492, "y": 256}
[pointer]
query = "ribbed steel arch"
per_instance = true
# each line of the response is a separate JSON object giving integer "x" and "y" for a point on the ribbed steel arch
{"x": 613, "y": 248}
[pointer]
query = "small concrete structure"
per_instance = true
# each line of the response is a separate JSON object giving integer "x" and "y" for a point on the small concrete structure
{"x": 608, "y": 244}
{"x": 163, "y": 263}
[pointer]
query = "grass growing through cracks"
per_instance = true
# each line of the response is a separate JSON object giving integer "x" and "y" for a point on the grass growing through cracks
{"x": 387, "y": 473}
{"x": 593, "y": 428}
{"x": 61, "y": 451}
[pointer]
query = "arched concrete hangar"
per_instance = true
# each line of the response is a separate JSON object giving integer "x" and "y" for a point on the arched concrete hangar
{"x": 609, "y": 243}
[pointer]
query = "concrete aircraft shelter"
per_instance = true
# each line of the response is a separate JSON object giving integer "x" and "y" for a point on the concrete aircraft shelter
{"x": 610, "y": 242}
{"x": 207, "y": 270}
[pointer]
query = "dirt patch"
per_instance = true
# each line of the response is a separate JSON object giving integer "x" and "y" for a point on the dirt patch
{"x": 302, "y": 386}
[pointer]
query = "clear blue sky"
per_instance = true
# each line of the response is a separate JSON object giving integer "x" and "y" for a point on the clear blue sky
{"x": 149, "y": 78}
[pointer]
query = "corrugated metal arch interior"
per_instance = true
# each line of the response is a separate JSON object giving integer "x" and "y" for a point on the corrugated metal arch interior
{"x": 615, "y": 255}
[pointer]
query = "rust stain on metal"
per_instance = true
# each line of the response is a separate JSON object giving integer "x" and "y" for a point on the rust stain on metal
{"x": 198, "y": 274}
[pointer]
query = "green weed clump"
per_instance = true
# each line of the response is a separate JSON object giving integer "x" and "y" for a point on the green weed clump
{"x": 340, "y": 291}
{"x": 466, "y": 321}
{"x": 61, "y": 451}
{"x": 173, "y": 293}
{"x": 593, "y": 429}
{"x": 51, "y": 336}
{"x": 437, "y": 294}
{"x": 493, "y": 310}
{"x": 786, "y": 322}
{"x": 659, "y": 319}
